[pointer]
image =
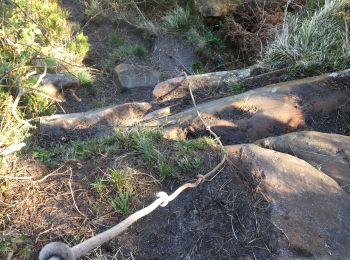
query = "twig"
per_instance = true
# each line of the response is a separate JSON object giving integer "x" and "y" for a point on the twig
{"x": 72, "y": 193}
{"x": 21, "y": 92}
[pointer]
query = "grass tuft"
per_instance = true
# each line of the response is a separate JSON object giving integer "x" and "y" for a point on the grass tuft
{"x": 120, "y": 202}
{"x": 235, "y": 88}
{"x": 122, "y": 180}
{"x": 139, "y": 51}
{"x": 316, "y": 39}
{"x": 177, "y": 20}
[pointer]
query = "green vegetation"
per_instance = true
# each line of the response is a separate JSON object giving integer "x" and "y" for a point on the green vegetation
{"x": 117, "y": 189}
{"x": 177, "y": 20}
{"x": 121, "y": 49}
{"x": 86, "y": 80}
{"x": 42, "y": 154}
{"x": 198, "y": 67}
{"x": 76, "y": 150}
{"x": 235, "y": 88}
{"x": 190, "y": 164}
{"x": 139, "y": 51}
{"x": 313, "y": 40}
{"x": 122, "y": 180}
{"x": 188, "y": 22}
{"x": 17, "y": 244}
{"x": 98, "y": 185}
{"x": 121, "y": 201}
{"x": 33, "y": 35}
{"x": 190, "y": 146}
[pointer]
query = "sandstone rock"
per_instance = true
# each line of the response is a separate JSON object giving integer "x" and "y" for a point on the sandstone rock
{"x": 54, "y": 84}
{"x": 110, "y": 117}
{"x": 132, "y": 76}
{"x": 272, "y": 110}
{"x": 329, "y": 153}
{"x": 215, "y": 8}
{"x": 173, "y": 88}
{"x": 308, "y": 207}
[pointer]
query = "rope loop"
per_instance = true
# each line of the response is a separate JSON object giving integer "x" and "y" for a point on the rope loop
{"x": 165, "y": 197}
{"x": 201, "y": 179}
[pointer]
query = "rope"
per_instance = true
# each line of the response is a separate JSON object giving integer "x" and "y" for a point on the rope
{"x": 61, "y": 251}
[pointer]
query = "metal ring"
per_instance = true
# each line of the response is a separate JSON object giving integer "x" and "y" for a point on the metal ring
{"x": 56, "y": 250}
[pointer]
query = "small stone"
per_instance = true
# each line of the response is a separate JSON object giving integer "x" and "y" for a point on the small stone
{"x": 54, "y": 84}
{"x": 132, "y": 76}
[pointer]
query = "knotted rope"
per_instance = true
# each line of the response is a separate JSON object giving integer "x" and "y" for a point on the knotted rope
{"x": 61, "y": 251}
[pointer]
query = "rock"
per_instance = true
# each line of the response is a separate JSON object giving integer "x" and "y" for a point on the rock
{"x": 215, "y": 8}
{"x": 173, "y": 88}
{"x": 101, "y": 119}
{"x": 272, "y": 110}
{"x": 309, "y": 208}
{"x": 132, "y": 76}
{"x": 54, "y": 84}
{"x": 329, "y": 153}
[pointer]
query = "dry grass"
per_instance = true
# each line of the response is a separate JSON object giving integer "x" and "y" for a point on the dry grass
{"x": 65, "y": 201}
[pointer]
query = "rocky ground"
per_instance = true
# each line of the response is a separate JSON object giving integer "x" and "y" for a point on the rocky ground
{"x": 284, "y": 190}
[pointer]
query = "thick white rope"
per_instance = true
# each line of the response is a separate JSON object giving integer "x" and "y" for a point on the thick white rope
{"x": 61, "y": 251}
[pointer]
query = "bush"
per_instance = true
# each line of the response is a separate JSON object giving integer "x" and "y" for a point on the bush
{"x": 316, "y": 39}
{"x": 34, "y": 34}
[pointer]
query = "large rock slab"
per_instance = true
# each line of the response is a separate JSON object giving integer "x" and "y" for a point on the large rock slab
{"x": 272, "y": 110}
{"x": 133, "y": 76}
{"x": 309, "y": 208}
{"x": 329, "y": 153}
{"x": 102, "y": 119}
{"x": 177, "y": 88}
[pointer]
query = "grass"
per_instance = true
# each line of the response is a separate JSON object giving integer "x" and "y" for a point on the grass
{"x": 235, "y": 88}
{"x": 144, "y": 142}
{"x": 190, "y": 164}
{"x": 197, "y": 67}
{"x": 122, "y": 180}
{"x": 120, "y": 49}
{"x": 76, "y": 150}
{"x": 186, "y": 22}
{"x": 98, "y": 185}
{"x": 119, "y": 187}
{"x": 121, "y": 202}
{"x": 139, "y": 51}
{"x": 164, "y": 168}
{"x": 86, "y": 80}
{"x": 190, "y": 146}
{"x": 148, "y": 145}
{"x": 98, "y": 104}
{"x": 42, "y": 154}
{"x": 177, "y": 20}
{"x": 313, "y": 41}
{"x": 18, "y": 244}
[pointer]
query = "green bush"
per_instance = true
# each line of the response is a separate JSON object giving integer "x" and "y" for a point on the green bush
{"x": 33, "y": 34}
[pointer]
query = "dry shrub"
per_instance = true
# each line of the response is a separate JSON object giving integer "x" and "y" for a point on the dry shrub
{"x": 248, "y": 29}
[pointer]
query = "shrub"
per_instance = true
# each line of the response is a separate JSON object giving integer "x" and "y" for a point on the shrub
{"x": 34, "y": 34}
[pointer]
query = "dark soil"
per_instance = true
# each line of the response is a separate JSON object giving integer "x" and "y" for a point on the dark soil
{"x": 167, "y": 53}
{"x": 214, "y": 221}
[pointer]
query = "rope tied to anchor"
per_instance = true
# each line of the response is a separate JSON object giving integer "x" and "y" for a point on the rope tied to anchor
{"x": 61, "y": 251}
